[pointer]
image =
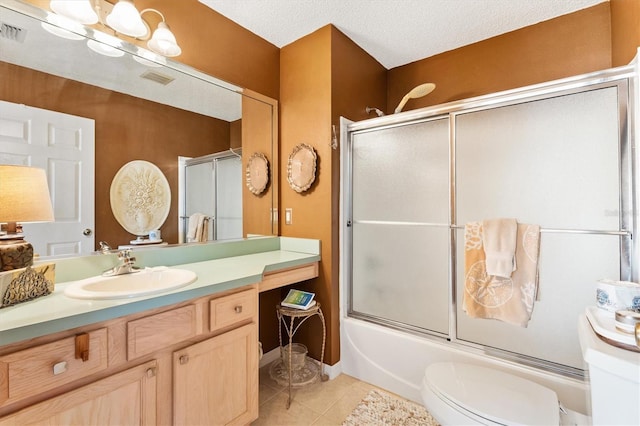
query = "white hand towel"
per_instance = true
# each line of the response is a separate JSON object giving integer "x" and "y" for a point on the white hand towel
{"x": 499, "y": 238}
{"x": 194, "y": 220}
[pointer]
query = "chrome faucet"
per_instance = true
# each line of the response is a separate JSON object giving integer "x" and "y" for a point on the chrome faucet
{"x": 126, "y": 267}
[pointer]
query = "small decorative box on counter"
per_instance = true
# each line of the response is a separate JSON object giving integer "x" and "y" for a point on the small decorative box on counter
{"x": 613, "y": 295}
{"x": 21, "y": 285}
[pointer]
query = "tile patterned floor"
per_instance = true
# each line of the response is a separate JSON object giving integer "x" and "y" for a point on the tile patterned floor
{"x": 321, "y": 403}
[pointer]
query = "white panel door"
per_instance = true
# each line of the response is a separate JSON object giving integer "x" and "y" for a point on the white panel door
{"x": 64, "y": 146}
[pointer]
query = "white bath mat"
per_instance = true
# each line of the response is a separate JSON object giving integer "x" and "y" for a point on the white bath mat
{"x": 380, "y": 408}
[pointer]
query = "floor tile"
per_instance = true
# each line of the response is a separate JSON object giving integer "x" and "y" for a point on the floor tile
{"x": 319, "y": 404}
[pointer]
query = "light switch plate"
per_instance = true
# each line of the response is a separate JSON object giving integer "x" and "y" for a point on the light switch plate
{"x": 288, "y": 216}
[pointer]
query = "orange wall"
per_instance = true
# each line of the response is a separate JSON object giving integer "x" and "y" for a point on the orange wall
{"x": 305, "y": 117}
{"x": 565, "y": 46}
{"x": 323, "y": 75}
{"x": 625, "y": 31}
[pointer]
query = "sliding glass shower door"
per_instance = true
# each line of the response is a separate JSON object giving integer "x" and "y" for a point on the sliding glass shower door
{"x": 560, "y": 156}
{"x": 400, "y": 190}
{"x": 213, "y": 187}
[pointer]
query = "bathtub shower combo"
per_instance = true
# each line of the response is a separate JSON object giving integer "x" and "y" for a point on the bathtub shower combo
{"x": 560, "y": 155}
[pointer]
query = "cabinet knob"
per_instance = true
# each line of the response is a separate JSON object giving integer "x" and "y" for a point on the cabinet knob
{"x": 151, "y": 372}
{"x": 238, "y": 309}
{"x": 59, "y": 368}
{"x": 183, "y": 359}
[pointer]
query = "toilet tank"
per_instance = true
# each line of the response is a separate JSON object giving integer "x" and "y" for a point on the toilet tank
{"x": 614, "y": 376}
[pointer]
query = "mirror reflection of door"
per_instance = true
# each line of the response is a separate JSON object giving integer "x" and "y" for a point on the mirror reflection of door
{"x": 212, "y": 187}
{"x": 63, "y": 145}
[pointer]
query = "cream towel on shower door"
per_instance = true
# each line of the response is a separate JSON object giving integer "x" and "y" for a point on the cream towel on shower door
{"x": 197, "y": 228}
{"x": 499, "y": 241}
{"x": 505, "y": 299}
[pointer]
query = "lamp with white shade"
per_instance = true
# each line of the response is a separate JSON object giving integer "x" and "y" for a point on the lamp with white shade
{"x": 24, "y": 197}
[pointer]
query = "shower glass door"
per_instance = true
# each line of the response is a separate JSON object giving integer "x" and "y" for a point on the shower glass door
{"x": 213, "y": 187}
{"x": 228, "y": 179}
{"x": 400, "y": 225}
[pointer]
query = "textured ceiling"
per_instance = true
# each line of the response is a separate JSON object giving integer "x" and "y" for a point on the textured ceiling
{"x": 395, "y": 32}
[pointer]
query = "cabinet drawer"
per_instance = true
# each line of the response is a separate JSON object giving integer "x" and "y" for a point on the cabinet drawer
{"x": 41, "y": 368}
{"x": 155, "y": 332}
{"x": 232, "y": 309}
{"x": 284, "y": 277}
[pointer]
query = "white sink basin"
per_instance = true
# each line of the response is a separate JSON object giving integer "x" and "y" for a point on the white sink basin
{"x": 144, "y": 282}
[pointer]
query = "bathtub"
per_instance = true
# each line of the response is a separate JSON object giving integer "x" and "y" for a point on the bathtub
{"x": 395, "y": 360}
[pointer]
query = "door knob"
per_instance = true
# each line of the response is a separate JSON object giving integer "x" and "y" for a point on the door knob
{"x": 87, "y": 232}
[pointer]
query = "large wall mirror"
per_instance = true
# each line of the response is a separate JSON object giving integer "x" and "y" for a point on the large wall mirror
{"x": 143, "y": 107}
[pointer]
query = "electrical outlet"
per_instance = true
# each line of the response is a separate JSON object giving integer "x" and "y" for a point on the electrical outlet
{"x": 288, "y": 216}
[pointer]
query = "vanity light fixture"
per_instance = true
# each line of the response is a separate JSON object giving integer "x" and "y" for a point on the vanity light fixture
{"x": 24, "y": 198}
{"x": 124, "y": 19}
{"x": 78, "y": 10}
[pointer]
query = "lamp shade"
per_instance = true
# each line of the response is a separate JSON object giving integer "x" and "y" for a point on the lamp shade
{"x": 125, "y": 19}
{"x": 164, "y": 42}
{"x": 24, "y": 195}
{"x": 77, "y": 10}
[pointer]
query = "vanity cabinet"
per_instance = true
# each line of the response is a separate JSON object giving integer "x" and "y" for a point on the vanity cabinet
{"x": 126, "y": 398}
{"x": 214, "y": 380}
{"x": 191, "y": 363}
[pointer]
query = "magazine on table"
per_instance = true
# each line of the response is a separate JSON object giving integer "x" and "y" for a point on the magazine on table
{"x": 299, "y": 299}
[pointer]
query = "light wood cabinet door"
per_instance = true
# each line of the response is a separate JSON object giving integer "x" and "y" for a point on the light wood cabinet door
{"x": 126, "y": 398}
{"x": 216, "y": 381}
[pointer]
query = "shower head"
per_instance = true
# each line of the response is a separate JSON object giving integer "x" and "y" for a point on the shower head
{"x": 416, "y": 92}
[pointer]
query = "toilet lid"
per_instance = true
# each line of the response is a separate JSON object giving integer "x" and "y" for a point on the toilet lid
{"x": 493, "y": 395}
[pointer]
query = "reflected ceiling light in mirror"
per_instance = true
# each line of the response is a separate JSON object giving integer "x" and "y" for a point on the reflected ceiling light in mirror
{"x": 149, "y": 59}
{"x": 78, "y": 10}
{"x": 62, "y": 27}
{"x": 104, "y": 49}
{"x": 163, "y": 41}
{"x": 125, "y": 19}
{"x": 106, "y": 45}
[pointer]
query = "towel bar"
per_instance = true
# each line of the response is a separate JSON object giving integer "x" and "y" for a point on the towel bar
{"x": 206, "y": 217}
{"x": 622, "y": 232}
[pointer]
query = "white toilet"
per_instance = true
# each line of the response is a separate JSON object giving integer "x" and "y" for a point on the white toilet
{"x": 465, "y": 394}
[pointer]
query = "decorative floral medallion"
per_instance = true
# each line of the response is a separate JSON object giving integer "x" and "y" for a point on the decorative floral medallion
{"x": 140, "y": 197}
{"x": 301, "y": 169}
{"x": 257, "y": 173}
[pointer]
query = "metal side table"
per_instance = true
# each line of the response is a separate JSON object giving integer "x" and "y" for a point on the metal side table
{"x": 292, "y": 327}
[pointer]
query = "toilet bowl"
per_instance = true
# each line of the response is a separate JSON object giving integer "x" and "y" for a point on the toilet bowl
{"x": 463, "y": 394}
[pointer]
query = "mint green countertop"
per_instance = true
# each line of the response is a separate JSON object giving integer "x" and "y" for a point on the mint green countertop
{"x": 220, "y": 266}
